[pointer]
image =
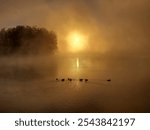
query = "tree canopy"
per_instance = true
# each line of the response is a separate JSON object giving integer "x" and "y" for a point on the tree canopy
{"x": 27, "y": 40}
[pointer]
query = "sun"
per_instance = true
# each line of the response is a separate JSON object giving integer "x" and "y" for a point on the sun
{"x": 76, "y": 41}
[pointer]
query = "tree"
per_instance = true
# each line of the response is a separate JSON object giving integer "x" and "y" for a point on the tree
{"x": 27, "y": 40}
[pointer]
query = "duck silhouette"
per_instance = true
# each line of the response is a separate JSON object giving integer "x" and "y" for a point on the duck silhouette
{"x": 69, "y": 79}
{"x": 62, "y": 80}
{"x": 86, "y": 80}
{"x": 109, "y": 80}
{"x": 80, "y": 80}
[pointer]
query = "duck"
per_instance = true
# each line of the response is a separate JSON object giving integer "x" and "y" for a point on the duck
{"x": 109, "y": 80}
{"x": 62, "y": 80}
{"x": 80, "y": 80}
{"x": 69, "y": 79}
{"x": 86, "y": 80}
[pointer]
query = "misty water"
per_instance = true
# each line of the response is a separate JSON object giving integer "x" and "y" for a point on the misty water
{"x": 28, "y": 84}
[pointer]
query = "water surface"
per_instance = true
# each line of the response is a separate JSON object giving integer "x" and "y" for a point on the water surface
{"x": 29, "y": 84}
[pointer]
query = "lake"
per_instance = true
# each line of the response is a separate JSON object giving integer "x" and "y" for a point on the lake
{"x": 28, "y": 84}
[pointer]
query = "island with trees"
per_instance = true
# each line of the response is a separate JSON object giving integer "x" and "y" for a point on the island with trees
{"x": 27, "y": 40}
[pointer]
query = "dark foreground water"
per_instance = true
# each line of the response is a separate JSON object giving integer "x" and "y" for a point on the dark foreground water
{"x": 29, "y": 85}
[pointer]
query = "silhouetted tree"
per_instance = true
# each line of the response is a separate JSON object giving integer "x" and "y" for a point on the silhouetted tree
{"x": 27, "y": 40}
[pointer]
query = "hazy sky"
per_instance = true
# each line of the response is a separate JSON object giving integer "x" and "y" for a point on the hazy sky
{"x": 111, "y": 25}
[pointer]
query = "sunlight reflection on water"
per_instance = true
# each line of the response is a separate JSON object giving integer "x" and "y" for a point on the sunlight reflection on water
{"x": 128, "y": 91}
{"x": 81, "y": 68}
{"x": 78, "y": 63}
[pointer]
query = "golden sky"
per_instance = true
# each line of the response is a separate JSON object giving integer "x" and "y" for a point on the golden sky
{"x": 109, "y": 25}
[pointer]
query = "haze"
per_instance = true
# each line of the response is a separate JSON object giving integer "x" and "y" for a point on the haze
{"x": 111, "y": 25}
{"x": 116, "y": 35}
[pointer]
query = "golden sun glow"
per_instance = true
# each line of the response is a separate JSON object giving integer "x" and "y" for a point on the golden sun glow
{"x": 76, "y": 41}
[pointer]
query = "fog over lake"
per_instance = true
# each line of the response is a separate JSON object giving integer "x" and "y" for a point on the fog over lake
{"x": 104, "y": 41}
{"x": 28, "y": 84}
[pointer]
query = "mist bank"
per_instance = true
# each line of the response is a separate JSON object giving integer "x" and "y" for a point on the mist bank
{"x": 27, "y": 40}
{"x": 29, "y": 84}
{"x": 27, "y": 68}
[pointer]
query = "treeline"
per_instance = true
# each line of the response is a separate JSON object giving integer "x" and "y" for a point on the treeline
{"x": 27, "y": 40}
